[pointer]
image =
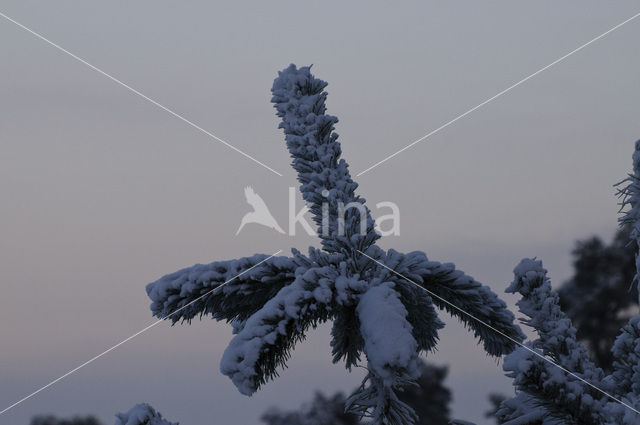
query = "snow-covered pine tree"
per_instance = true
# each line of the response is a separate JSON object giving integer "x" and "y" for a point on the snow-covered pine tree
{"x": 272, "y": 302}
{"x": 573, "y": 390}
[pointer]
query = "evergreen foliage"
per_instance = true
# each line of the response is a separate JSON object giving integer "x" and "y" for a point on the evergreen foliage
{"x": 599, "y": 298}
{"x": 572, "y": 389}
{"x": 375, "y": 313}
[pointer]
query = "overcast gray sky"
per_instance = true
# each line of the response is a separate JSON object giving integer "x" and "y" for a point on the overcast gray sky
{"x": 103, "y": 192}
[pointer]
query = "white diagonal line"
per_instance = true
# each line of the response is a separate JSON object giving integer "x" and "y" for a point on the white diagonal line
{"x": 131, "y": 89}
{"x": 500, "y": 333}
{"x": 499, "y": 94}
{"x": 131, "y": 337}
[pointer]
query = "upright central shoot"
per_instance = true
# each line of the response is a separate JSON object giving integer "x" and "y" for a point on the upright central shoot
{"x": 375, "y": 313}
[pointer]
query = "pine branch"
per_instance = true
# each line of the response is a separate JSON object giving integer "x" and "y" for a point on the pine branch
{"x": 392, "y": 355}
{"x": 563, "y": 396}
{"x": 268, "y": 336}
{"x": 346, "y": 340}
{"x": 471, "y": 297}
{"x": 630, "y": 197}
{"x": 420, "y": 308}
{"x": 626, "y": 351}
{"x": 557, "y": 336}
{"x": 378, "y": 401}
{"x": 421, "y": 313}
{"x": 523, "y": 410}
{"x": 299, "y": 99}
{"x": 245, "y": 292}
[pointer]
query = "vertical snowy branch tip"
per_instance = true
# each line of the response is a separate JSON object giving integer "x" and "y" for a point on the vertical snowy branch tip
{"x": 299, "y": 99}
{"x": 528, "y": 275}
{"x": 559, "y": 393}
{"x": 557, "y": 336}
{"x": 630, "y": 197}
{"x": 630, "y": 194}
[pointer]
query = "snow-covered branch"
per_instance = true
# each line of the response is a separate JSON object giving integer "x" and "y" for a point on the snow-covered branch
{"x": 299, "y": 99}
{"x": 142, "y": 414}
{"x": 246, "y": 284}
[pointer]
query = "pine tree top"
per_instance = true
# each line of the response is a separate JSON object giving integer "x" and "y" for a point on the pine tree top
{"x": 382, "y": 303}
